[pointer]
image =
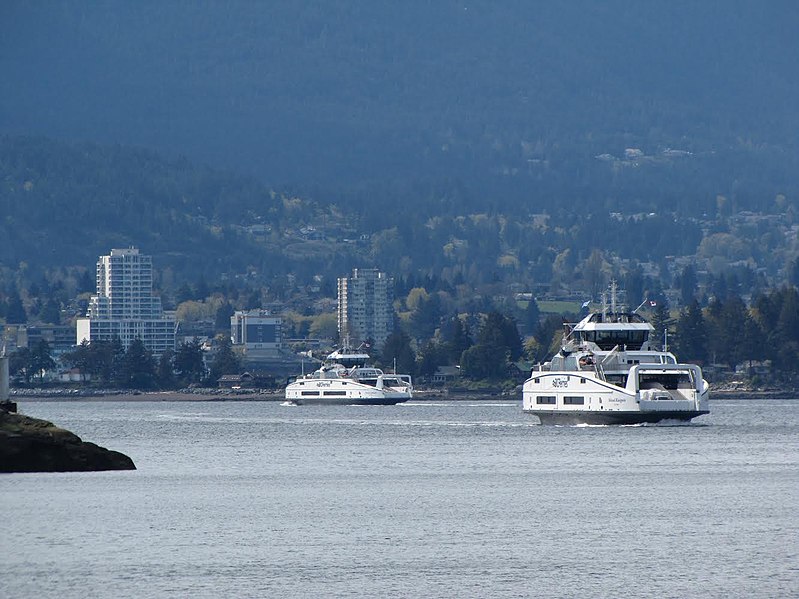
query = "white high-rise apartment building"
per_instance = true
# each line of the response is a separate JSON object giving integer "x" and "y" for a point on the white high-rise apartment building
{"x": 365, "y": 307}
{"x": 124, "y": 306}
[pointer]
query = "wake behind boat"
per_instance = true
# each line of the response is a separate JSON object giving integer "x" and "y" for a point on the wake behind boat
{"x": 345, "y": 379}
{"x": 608, "y": 372}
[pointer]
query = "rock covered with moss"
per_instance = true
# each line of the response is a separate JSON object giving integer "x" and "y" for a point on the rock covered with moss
{"x": 32, "y": 445}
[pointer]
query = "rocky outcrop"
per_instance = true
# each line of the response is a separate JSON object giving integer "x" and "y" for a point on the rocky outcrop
{"x": 32, "y": 445}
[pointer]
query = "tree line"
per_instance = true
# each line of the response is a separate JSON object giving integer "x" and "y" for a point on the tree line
{"x": 110, "y": 364}
{"x": 493, "y": 346}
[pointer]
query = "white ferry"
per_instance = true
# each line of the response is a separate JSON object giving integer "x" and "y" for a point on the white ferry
{"x": 345, "y": 379}
{"x": 608, "y": 372}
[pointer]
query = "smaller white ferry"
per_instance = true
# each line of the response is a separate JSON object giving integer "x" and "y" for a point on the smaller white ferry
{"x": 609, "y": 372}
{"x": 345, "y": 379}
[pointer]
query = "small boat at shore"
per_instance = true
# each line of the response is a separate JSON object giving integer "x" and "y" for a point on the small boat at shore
{"x": 345, "y": 378}
{"x": 608, "y": 371}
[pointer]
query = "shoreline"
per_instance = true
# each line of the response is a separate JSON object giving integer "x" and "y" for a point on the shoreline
{"x": 223, "y": 395}
{"x": 210, "y": 395}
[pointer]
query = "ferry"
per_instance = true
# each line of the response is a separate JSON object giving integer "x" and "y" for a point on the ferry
{"x": 609, "y": 371}
{"x": 345, "y": 378}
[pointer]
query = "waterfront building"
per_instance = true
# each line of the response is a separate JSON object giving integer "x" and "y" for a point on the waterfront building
{"x": 365, "y": 307}
{"x": 257, "y": 337}
{"x": 60, "y": 338}
{"x": 125, "y": 307}
{"x": 257, "y": 332}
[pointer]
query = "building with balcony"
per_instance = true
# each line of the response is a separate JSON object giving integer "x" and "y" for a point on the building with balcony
{"x": 124, "y": 306}
{"x": 365, "y": 307}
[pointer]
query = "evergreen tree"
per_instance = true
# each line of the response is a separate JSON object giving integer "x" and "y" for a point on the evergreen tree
{"x": 222, "y": 320}
{"x": 426, "y": 318}
{"x": 751, "y": 340}
{"x": 184, "y": 294}
{"x": 484, "y": 362}
{"x": 225, "y": 360}
{"x": 549, "y": 336}
{"x": 117, "y": 351}
{"x": 500, "y": 332}
{"x": 189, "y": 362}
{"x": 20, "y": 363}
{"x": 100, "y": 360}
{"x": 253, "y": 301}
{"x": 662, "y": 322}
{"x": 735, "y": 318}
{"x": 165, "y": 371}
{"x": 498, "y": 343}
{"x": 634, "y": 285}
{"x": 51, "y": 312}
{"x": 531, "y": 317}
{"x": 201, "y": 289}
{"x": 397, "y": 352}
{"x": 137, "y": 367}
{"x": 87, "y": 282}
{"x": 41, "y": 358}
{"x": 691, "y": 334}
{"x": 713, "y": 324}
{"x": 431, "y": 357}
{"x": 787, "y": 328}
{"x": 687, "y": 283}
{"x": 80, "y": 358}
{"x": 456, "y": 339}
{"x": 15, "y": 311}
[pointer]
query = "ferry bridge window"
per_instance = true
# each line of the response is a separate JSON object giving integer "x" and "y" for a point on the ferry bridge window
{"x": 609, "y": 339}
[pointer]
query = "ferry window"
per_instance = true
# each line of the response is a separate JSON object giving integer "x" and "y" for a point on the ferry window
{"x": 582, "y": 380}
{"x": 537, "y": 380}
{"x": 334, "y": 393}
{"x": 310, "y": 393}
{"x": 573, "y": 400}
{"x": 545, "y": 399}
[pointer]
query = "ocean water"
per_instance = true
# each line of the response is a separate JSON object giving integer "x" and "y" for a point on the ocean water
{"x": 426, "y": 499}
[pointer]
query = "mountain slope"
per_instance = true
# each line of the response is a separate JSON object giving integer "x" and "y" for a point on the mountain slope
{"x": 510, "y": 100}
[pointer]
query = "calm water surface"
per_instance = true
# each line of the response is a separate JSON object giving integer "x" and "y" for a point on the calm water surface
{"x": 426, "y": 499}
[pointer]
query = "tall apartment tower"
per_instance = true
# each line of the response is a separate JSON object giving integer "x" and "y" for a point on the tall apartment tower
{"x": 365, "y": 307}
{"x": 124, "y": 306}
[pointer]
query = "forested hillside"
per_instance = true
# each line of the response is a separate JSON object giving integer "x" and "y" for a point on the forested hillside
{"x": 62, "y": 205}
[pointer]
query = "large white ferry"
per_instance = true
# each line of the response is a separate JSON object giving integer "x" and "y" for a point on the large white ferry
{"x": 345, "y": 379}
{"x": 609, "y": 372}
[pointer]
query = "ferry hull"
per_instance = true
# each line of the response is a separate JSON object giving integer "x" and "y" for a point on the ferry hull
{"x": 343, "y": 401}
{"x": 573, "y": 417}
